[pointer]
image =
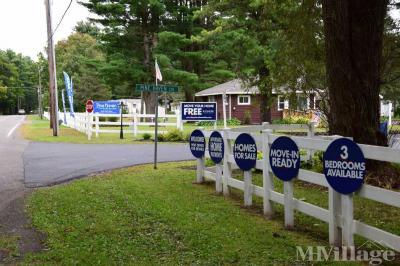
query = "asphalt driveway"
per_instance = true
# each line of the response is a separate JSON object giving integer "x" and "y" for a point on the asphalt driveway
{"x": 52, "y": 163}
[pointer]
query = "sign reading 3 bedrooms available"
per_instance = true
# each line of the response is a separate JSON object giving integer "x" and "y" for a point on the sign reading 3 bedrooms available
{"x": 284, "y": 158}
{"x": 199, "y": 111}
{"x": 156, "y": 88}
{"x": 344, "y": 166}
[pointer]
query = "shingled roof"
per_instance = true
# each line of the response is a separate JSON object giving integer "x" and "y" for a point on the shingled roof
{"x": 235, "y": 86}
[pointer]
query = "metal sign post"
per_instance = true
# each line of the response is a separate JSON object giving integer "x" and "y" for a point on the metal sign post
{"x": 121, "y": 132}
{"x": 156, "y": 132}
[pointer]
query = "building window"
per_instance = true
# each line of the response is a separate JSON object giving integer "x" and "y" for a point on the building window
{"x": 244, "y": 100}
{"x": 211, "y": 98}
{"x": 282, "y": 103}
{"x": 302, "y": 103}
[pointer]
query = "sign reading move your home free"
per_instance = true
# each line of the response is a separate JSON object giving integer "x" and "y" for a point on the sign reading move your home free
{"x": 199, "y": 111}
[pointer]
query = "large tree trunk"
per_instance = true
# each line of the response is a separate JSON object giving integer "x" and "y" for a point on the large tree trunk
{"x": 266, "y": 98}
{"x": 353, "y": 36}
{"x": 148, "y": 97}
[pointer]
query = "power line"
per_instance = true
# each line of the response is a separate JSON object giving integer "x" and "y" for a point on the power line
{"x": 59, "y": 23}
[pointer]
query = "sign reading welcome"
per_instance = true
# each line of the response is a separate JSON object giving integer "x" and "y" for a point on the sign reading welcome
{"x": 197, "y": 143}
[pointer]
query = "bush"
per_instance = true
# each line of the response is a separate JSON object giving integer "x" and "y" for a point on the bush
{"x": 112, "y": 119}
{"x": 174, "y": 135}
{"x": 146, "y": 136}
{"x": 230, "y": 122}
{"x": 161, "y": 137}
{"x": 292, "y": 120}
{"x": 247, "y": 117}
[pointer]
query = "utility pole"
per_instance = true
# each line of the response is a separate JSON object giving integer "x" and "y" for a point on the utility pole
{"x": 40, "y": 98}
{"x": 52, "y": 71}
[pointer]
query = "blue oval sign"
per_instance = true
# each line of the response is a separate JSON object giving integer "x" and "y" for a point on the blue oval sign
{"x": 245, "y": 152}
{"x": 344, "y": 166}
{"x": 216, "y": 147}
{"x": 284, "y": 158}
{"x": 197, "y": 143}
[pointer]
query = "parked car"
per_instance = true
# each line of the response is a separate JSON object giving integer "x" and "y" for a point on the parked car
{"x": 21, "y": 111}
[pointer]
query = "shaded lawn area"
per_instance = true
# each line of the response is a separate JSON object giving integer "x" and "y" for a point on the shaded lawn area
{"x": 144, "y": 217}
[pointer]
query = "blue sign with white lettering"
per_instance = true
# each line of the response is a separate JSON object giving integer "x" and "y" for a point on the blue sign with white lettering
{"x": 284, "y": 158}
{"x": 245, "y": 152}
{"x": 197, "y": 143}
{"x": 107, "y": 108}
{"x": 199, "y": 111}
{"x": 216, "y": 147}
{"x": 344, "y": 166}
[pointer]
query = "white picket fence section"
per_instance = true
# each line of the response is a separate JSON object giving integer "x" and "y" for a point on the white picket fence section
{"x": 90, "y": 124}
{"x": 339, "y": 216}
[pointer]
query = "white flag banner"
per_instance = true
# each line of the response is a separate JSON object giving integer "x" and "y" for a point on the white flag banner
{"x": 158, "y": 72}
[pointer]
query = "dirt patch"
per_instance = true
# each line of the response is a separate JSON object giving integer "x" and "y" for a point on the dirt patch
{"x": 14, "y": 223}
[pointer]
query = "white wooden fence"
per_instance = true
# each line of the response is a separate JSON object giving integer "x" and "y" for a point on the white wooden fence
{"x": 90, "y": 124}
{"x": 339, "y": 216}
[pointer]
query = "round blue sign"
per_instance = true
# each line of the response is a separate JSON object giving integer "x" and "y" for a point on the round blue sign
{"x": 284, "y": 158}
{"x": 245, "y": 152}
{"x": 344, "y": 166}
{"x": 197, "y": 143}
{"x": 216, "y": 147}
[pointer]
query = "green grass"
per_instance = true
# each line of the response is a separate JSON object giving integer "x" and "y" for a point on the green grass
{"x": 38, "y": 130}
{"x": 8, "y": 248}
{"x": 139, "y": 216}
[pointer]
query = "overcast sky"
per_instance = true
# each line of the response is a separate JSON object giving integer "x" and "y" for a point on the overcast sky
{"x": 23, "y": 24}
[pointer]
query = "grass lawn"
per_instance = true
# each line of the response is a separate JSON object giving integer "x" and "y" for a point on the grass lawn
{"x": 38, "y": 130}
{"x": 152, "y": 218}
{"x": 139, "y": 216}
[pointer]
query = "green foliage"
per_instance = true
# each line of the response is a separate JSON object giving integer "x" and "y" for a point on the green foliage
{"x": 174, "y": 135}
{"x": 161, "y": 137}
{"x": 146, "y": 136}
{"x": 247, "y": 117}
{"x": 292, "y": 120}
{"x": 229, "y": 122}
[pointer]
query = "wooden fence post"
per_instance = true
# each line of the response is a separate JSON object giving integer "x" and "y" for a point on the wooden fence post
{"x": 288, "y": 204}
{"x": 135, "y": 124}
{"x": 97, "y": 118}
{"x": 347, "y": 216}
{"x": 268, "y": 182}
{"x": 248, "y": 188}
{"x": 310, "y": 134}
{"x": 89, "y": 126}
{"x": 200, "y": 170}
{"x": 218, "y": 178}
{"x": 335, "y": 210}
{"x": 227, "y": 172}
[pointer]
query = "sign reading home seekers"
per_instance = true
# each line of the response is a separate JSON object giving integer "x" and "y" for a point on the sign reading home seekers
{"x": 216, "y": 147}
{"x": 284, "y": 158}
{"x": 344, "y": 166}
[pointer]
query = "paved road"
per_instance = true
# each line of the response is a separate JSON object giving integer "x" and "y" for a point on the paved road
{"x": 52, "y": 163}
{"x": 30, "y": 164}
{"x": 11, "y": 164}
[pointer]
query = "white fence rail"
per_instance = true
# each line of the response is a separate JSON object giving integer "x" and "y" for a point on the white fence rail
{"x": 90, "y": 124}
{"x": 339, "y": 215}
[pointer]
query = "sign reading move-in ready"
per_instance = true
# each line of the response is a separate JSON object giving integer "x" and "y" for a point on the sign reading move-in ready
{"x": 109, "y": 107}
{"x": 199, "y": 111}
{"x": 284, "y": 158}
{"x": 197, "y": 143}
{"x": 344, "y": 166}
